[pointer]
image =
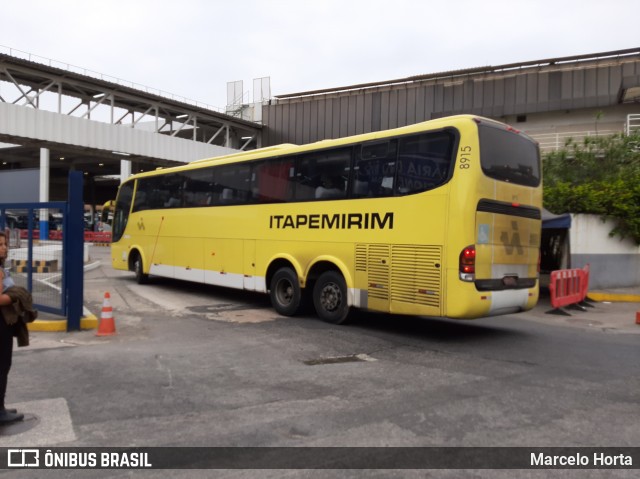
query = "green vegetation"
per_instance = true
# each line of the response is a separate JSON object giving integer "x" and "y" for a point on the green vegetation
{"x": 600, "y": 175}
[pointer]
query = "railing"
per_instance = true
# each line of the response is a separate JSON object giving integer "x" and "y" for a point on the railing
{"x": 103, "y": 237}
{"x": 633, "y": 123}
{"x": 555, "y": 141}
{"x": 101, "y": 76}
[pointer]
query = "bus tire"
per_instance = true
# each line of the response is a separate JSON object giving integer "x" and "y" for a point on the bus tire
{"x": 138, "y": 269}
{"x": 330, "y": 297}
{"x": 285, "y": 293}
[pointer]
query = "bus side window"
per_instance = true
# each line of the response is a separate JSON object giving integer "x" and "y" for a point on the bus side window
{"x": 330, "y": 187}
{"x": 171, "y": 187}
{"x": 375, "y": 169}
{"x": 424, "y": 161}
{"x": 197, "y": 186}
{"x": 150, "y": 195}
{"x": 304, "y": 180}
{"x": 234, "y": 183}
{"x": 323, "y": 175}
{"x": 227, "y": 196}
{"x": 141, "y": 200}
{"x": 273, "y": 181}
{"x": 213, "y": 194}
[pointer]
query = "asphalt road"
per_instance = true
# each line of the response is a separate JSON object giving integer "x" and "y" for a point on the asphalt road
{"x": 200, "y": 366}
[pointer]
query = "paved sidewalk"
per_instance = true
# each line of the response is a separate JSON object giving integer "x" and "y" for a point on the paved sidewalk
{"x": 615, "y": 312}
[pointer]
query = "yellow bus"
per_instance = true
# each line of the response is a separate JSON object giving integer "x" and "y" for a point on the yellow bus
{"x": 441, "y": 218}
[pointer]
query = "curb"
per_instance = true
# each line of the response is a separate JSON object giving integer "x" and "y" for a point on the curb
{"x": 60, "y": 325}
{"x": 613, "y": 297}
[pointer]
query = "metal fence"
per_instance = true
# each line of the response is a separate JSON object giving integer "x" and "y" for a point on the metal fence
{"x": 555, "y": 141}
{"x": 35, "y": 261}
{"x": 633, "y": 123}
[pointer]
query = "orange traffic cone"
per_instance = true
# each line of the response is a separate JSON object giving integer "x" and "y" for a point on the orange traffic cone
{"x": 107, "y": 326}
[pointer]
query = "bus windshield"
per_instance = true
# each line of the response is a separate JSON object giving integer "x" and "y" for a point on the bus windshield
{"x": 122, "y": 207}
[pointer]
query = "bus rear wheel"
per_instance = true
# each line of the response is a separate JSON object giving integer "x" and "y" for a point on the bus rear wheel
{"x": 330, "y": 298}
{"x": 285, "y": 293}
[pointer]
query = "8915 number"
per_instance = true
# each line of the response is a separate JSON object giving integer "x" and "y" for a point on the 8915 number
{"x": 465, "y": 158}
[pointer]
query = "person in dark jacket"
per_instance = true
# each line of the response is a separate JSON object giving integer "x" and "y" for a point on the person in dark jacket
{"x": 7, "y": 416}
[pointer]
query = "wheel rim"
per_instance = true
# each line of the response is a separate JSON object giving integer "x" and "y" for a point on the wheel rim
{"x": 284, "y": 292}
{"x": 330, "y": 297}
{"x": 138, "y": 267}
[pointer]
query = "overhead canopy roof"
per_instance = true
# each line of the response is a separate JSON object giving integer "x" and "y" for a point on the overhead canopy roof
{"x": 550, "y": 220}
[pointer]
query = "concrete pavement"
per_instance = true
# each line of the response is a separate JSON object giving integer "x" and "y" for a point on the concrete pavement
{"x": 614, "y": 309}
{"x": 196, "y": 365}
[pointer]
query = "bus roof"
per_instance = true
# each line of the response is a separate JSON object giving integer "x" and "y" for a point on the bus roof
{"x": 240, "y": 154}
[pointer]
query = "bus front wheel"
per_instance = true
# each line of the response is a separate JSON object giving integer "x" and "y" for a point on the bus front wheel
{"x": 330, "y": 298}
{"x": 138, "y": 269}
{"x": 285, "y": 293}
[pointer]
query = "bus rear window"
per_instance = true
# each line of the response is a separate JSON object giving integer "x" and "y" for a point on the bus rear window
{"x": 508, "y": 156}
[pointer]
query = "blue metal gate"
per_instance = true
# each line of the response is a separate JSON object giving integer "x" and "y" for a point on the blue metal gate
{"x": 46, "y": 251}
{"x": 36, "y": 258}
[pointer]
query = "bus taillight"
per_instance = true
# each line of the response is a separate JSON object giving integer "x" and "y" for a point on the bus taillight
{"x": 468, "y": 263}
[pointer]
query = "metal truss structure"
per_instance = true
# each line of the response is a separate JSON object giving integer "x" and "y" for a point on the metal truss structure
{"x": 39, "y": 83}
{"x": 94, "y": 122}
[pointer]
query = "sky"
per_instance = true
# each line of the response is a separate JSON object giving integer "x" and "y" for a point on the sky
{"x": 192, "y": 48}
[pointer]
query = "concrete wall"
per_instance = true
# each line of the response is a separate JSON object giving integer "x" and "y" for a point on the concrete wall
{"x": 614, "y": 262}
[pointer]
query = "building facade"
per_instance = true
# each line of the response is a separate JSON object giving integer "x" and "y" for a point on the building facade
{"x": 551, "y": 100}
